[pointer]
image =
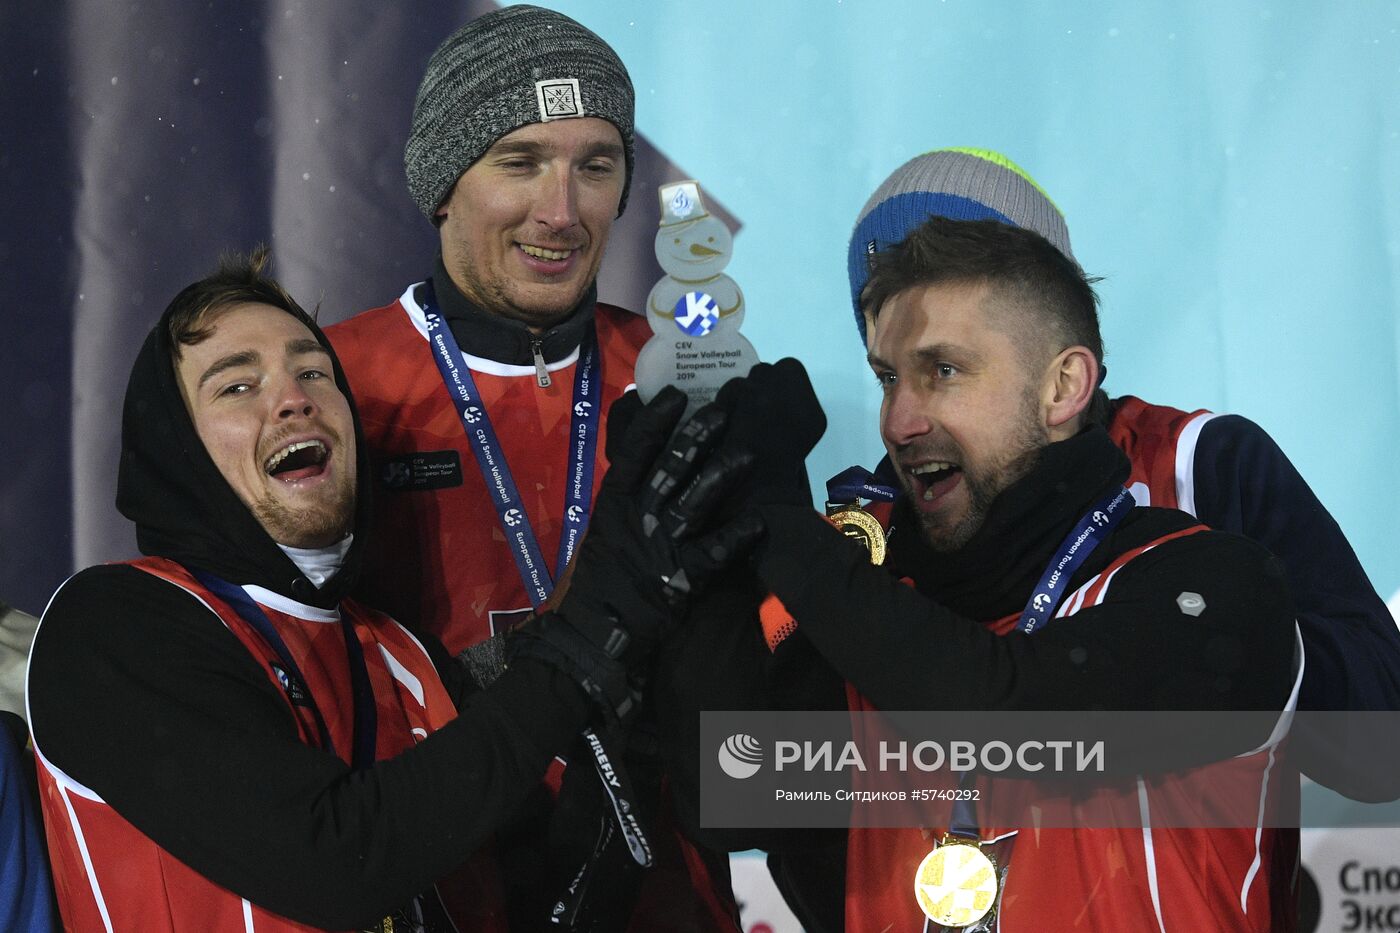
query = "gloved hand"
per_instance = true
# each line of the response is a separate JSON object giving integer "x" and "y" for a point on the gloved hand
{"x": 774, "y": 415}
{"x": 595, "y": 878}
{"x": 648, "y": 545}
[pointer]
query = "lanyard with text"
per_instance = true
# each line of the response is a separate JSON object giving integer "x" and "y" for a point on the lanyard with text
{"x": 490, "y": 457}
{"x": 578, "y": 500}
{"x": 1090, "y": 531}
{"x": 366, "y": 716}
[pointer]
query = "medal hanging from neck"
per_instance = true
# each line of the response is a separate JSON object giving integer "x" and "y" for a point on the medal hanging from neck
{"x": 844, "y": 492}
{"x": 958, "y": 884}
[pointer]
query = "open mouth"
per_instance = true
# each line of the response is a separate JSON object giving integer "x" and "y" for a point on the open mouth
{"x": 551, "y": 255}
{"x": 934, "y": 480}
{"x": 298, "y": 461}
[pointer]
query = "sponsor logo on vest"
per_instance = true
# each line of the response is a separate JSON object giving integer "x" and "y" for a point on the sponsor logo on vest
{"x": 293, "y": 687}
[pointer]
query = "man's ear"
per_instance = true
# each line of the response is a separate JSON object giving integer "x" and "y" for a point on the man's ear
{"x": 1070, "y": 380}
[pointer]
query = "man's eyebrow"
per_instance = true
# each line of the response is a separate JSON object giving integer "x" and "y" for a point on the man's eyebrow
{"x": 933, "y": 353}
{"x": 611, "y": 150}
{"x": 299, "y": 346}
{"x": 304, "y": 345}
{"x": 241, "y": 358}
{"x": 516, "y": 147}
{"x": 940, "y": 352}
{"x": 534, "y": 149}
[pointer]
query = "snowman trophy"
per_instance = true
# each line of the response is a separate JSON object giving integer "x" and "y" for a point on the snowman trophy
{"x": 695, "y": 310}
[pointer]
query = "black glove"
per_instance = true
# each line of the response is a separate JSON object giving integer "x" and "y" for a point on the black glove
{"x": 649, "y": 543}
{"x": 775, "y": 416}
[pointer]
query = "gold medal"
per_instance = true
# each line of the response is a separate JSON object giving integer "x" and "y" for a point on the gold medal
{"x": 855, "y": 522}
{"x": 956, "y": 884}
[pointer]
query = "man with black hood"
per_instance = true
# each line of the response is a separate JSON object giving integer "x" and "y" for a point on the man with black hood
{"x": 226, "y": 741}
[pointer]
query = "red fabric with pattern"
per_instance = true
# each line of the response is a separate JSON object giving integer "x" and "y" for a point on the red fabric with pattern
{"x": 143, "y": 887}
{"x": 1101, "y": 879}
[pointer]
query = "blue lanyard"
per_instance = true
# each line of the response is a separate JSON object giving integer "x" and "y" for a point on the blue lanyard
{"x": 366, "y": 716}
{"x": 490, "y": 457}
{"x": 578, "y": 501}
{"x": 859, "y": 483}
{"x": 1088, "y": 533}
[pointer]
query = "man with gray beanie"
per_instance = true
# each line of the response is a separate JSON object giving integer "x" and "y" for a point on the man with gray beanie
{"x": 482, "y": 390}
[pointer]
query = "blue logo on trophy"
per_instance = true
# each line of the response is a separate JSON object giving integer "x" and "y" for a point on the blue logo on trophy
{"x": 695, "y": 309}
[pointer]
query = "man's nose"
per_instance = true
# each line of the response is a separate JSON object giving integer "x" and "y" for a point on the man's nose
{"x": 294, "y": 400}
{"x": 557, "y": 206}
{"x": 904, "y": 418}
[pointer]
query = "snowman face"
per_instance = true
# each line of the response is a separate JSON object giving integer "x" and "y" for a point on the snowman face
{"x": 695, "y": 249}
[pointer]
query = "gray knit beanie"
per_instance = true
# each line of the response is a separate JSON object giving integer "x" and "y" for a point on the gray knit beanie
{"x": 960, "y": 184}
{"x": 512, "y": 67}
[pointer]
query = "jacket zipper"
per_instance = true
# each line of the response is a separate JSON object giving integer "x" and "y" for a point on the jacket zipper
{"x": 541, "y": 374}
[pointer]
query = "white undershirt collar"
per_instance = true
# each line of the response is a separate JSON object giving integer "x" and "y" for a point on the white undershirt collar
{"x": 321, "y": 563}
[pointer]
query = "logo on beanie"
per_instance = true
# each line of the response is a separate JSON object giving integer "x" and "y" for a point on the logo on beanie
{"x": 559, "y": 98}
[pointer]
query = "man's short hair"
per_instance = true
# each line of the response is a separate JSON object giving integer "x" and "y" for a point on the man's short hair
{"x": 238, "y": 280}
{"x": 1021, "y": 266}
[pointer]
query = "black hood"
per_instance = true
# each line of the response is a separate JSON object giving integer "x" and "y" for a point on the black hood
{"x": 183, "y": 507}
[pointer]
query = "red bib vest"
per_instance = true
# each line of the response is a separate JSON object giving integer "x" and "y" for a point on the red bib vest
{"x": 438, "y": 559}
{"x": 111, "y": 876}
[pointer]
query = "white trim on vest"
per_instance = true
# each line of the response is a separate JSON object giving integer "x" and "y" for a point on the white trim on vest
{"x": 290, "y": 607}
{"x": 1150, "y": 853}
{"x": 1186, "y": 462}
{"x": 403, "y": 675}
{"x": 87, "y": 861}
{"x": 479, "y": 364}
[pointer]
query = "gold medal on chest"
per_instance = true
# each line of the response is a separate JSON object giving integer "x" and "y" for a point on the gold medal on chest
{"x": 854, "y": 522}
{"x": 956, "y": 884}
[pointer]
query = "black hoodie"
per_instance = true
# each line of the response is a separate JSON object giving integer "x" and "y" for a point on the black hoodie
{"x": 183, "y": 509}
{"x": 140, "y": 693}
